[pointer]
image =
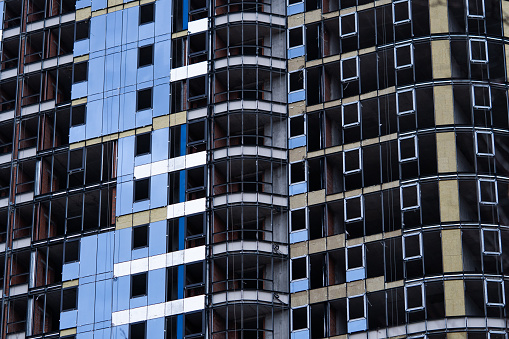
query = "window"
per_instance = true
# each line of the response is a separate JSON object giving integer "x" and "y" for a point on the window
{"x": 412, "y": 246}
{"x": 138, "y": 285}
{"x": 72, "y": 251}
{"x": 137, "y": 330}
{"x": 405, "y": 102}
{"x": 407, "y": 148}
{"x": 488, "y": 192}
{"x": 299, "y": 268}
{"x": 141, "y": 189}
{"x": 356, "y": 307}
{"x": 348, "y": 25}
{"x": 145, "y": 55}
{"x": 401, "y": 12}
{"x": 353, "y": 208}
{"x": 78, "y": 114}
{"x": 295, "y": 36}
{"x": 478, "y": 50}
{"x": 296, "y": 81}
{"x": 352, "y": 161}
{"x": 144, "y": 99}
{"x": 350, "y": 69}
{"x": 197, "y": 88}
{"x": 143, "y": 142}
{"x": 351, "y": 114}
{"x": 475, "y": 9}
{"x": 414, "y": 297}
{"x": 146, "y": 13}
{"x": 80, "y": 72}
{"x": 497, "y": 335}
{"x": 69, "y": 299}
{"x": 491, "y": 241}
{"x": 298, "y": 219}
{"x": 193, "y": 324}
{"x": 140, "y": 236}
{"x": 410, "y": 196}
{"x": 299, "y": 318}
{"x": 355, "y": 257}
{"x": 484, "y": 143}
{"x": 82, "y": 30}
{"x": 197, "y": 47}
{"x": 297, "y": 172}
{"x": 481, "y": 96}
{"x": 494, "y": 292}
{"x": 404, "y": 56}
{"x": 297, "y": 126}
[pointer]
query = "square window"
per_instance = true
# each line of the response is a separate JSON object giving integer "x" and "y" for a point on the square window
{"x": 197, "y": 88}
{"x": 145, "y": 55}
{"x": 412, "y": 246}
{"x": 414, "y": 297}
{"x": 295, "y": 36}
{"x": 80, "y": 72}
{"x": 299, "y": 318}
{"x": 143, "y": 144}
{"x": 297, "y": 172}
{"x": 137, "y": 330}
{"x": 356, "y": 307}
{"x": 138, "y": 285}
{"x": 488, "y": 192}
{"x": 352, "y": 161}
{"x": 494, "y": 292}
{"x": 82, "y": 30}
{"x": 69, "y": 299}
{"x": 193, "y": 324}
{"x": 407, "y": 148}
{"x": 78, "y": 114}
{"x": 401, "y": 12}
{"x": 197, "y": 44}
{"x": 404, "y": 56}
{"x": 296, "y": 81}
{"x": 475, "y": 9}
{"x": 351, "y": 114}
{"x": 144, "y": 99}
{"x": 72, "y": 251}
{"x": 355, "y": 257}
{"x": 297, "y": 126}
{"x": 348, "y": 25}
{"x": 146, "y": 13}
{"x": 140, "y": 236}
{"x": 484, "y": 142}
{"x": 478, "y": 51}
{"x": 299, "y": 268}
{"x": 298, "y": 219}
{"x": 141, "y": 189}
{"x": 350, "y": 69}
{"x": 353, "y": 208}
{"x": 481, "y": 96}
{"x": 410, "y": 196}
{"x": 405, "y": 102}
{"x": 497, "y": 335}
{"x": 491, "y": 241}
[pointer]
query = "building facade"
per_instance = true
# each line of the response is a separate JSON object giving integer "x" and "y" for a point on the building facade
{"x": 248, "y": 169}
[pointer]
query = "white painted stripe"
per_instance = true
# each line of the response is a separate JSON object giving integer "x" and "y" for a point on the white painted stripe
{"x": 170, "y": 165}
{"x": 190, "y": 71}
{"x": 186, "y": 208}
{"x": 197, "y": 26}
{"x": 168, "y": 308}
{"x": 159, "y": 261}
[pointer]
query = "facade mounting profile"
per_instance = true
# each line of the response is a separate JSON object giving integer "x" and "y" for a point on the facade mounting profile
{"x": 254, "y": 169}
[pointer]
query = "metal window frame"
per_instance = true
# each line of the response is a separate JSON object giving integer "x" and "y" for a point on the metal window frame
{"x": 411, "y": 64}
{"x": 403, "y": 239}
{"x": 301, "y": 27}
{"x": 475, "y": 15}
{"x": 134, "y": 189}
{"x": 486, "y": 300}
{"x": 307, "y": 318}
{"x": 416, "y": 149}
{"x": 394, "y": 3}
{"x": 474, "y": 86}
{"x": 305, "y": 172}
{"x": 499, "y": 241}
{"x": 346, "y": 35}
{"x": 358, "y": 114}
{"x": 363, "y": 249}
{"x": 136, "y": 144}
{"x": 477, "y": 143}
{"x": 348, "y": 306}
{"x": 401, "y": 188}
{"x": 307, "y": 267}
{"x": 362, "y": 208}
{"x": 359, "y": 156}
{"x": 306, "y": 218}
{"x": 290, "y": 125}
{"x": 479, "y": 194}
{"x": 132, "y": 236}
{"x": 479, "y": 61}
{"x": 413, "y": 102}
{"x": 421, "y": 285}
{"x": 356, "y": 77}
{"x": 303, "y": 80}
{"x": 497, "y": 332}
{"x": 131, "y": 285}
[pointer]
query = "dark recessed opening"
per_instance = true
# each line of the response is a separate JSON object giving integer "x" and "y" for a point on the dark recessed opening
{"x": 69, "y": 300}
{"x": 141, "y": 189}
{"x": 146, "y": 13}
{"x": 139, "y": 285}
{"x": 82, "y": 30}
{"x": 72, "y": 250}
{"x": 299, "y": 219}
{"x": 80, "y": 72}
{"x": 142, "y": 144}
{"x": 299, "y": 270}
{"x": 300, "y": 318}
{"x": 295, "y": 37}
{"x": 140, "y": 236}
{"x": 137, "y": 331}
{"x": 145, "y": 55}
{"x": 296, "y": 81}
{"x": 144, "y": 99}
{"x": 297, "y": 172}
{"x": 297, "y": 126}
{"x": 78, "y": 114}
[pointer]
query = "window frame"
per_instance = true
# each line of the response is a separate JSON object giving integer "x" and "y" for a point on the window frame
{"x": 356, "y": 77}
{"x": 152, "y": 4}
{"x": 423, "y": 298}
{"x": 307, "y": 318}
{"x": 403, "y": 238}
{"x": 348, "y": 319}
{"x": 478, "y": 61}
{"x": 302, "y": 29}
{"x": 307, "y": 268}
{"x": 306, "y": 218}
{"x": 347, "y": 35}
{"x": 361, "y": 208}
{"x": 483, "y": 247}
{"x": 401, "y": 188}
{"x": 146, "y": 285}
{"x": 492, "y": 140}
{"x": 476, "y": 16}
{"x": 132, "y": 237}
{"x": 486, "y": 299}
{"x": 396, "y": 47}
{"x": 359, "y": 157}
{"x": 358, "y": 114}
{"x": 479, "y": 192}
{"x": 363, "y": 249}
{"x": 302, "y": 70}
{"x": 136, "y": 144}
{"x": 151, "y": 89}
{"x": 416, "y": 148}
{"x": 139, "y": 59}
{"x": 304, "y": 116}
{"x": 474, "y": 104}
{"x": 305, "y": 172}
{"x": 134, "y": 190}
{"x": 394, "y": 3}
{"x": 412, "y": 111}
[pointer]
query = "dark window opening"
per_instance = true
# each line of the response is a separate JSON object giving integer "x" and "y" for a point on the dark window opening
{"x": 139, "y": 285}
{"x": 140, "y": 236}
{"x": 146, "y": 13}
{"x": 296, "y": 81}
{"x": 299, "y": 318}
{"x": 143, "y": 144}
{"x": 141, "y": 189}
{"x": 137, "y": 331}
{"x": 82, "y": 30}
{"x": 72, "y": 251}
{"x": 297, "y": 126}
{"x": 144, "y": 99}
{"x": 295, "y": 37}
{"x": 78, "y": 114}
{"x": 69, "y": 299}
{"x": 298, "y": 219}
{"x": 298, "y": 173}
{"x": 145, "y": 56}
{"x": 80, "y": 72}
{"x": 299, "y": 269}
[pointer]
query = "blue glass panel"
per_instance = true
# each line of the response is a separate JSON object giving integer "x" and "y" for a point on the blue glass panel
{"x": 296, "y": 96}
{"x": 98, "y": 4}
{"x": 295, "y": 52}
{"x": 357, "y": 325}
{"x": 125, "y": 198}
{"x": 295, "y": 8}
{"x": 157, "y": 238}
{"x": 298, "y": 236}
{"x": 297, "y": 142}
{"x": 97, "y": 33}
{"x": 79, "y": 90}
{"x": 355, "y": 274}
{"x": 160, "y": 144}
{"x": 158, "y": 190}
{"x": 105, "y": 246}
{"x": 155, "y": 328}
{"x": 302, "y": 334}
{"x": 121, "y": 293}
{"x": 81, "y": 47}
{"x": 95, "y": 75}
{"x": 103, "y": 300}
{"x": 156, "y": 286}
{"x": 161, "y": 101}
{"x": 68, "y": 319}
{"x": 300, "y": 285}
{"x": 85, "y": 306}
{"x": 298, "y": 188}
{"x": 88, "y": 255}
{"x": 71, "y": 271}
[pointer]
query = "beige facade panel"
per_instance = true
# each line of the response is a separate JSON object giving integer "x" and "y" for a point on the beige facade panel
{"x": 441, "y": 59}
{"x": 449, "y": 201}
{"x": 438, "y": 16}
{"x": 446, "y": 152}
{"x": 444, "y": 105}
{"x": 454, "y": 295}
{"x": 451, "y": 251}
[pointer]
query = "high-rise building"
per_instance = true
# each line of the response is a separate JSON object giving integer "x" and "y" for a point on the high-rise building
{"x": 254, "y": 169}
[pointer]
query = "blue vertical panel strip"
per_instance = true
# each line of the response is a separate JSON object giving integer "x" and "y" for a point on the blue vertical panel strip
{"x": 157, "y": 238}
{"x": 86, "y": 304}
{"x": 88, "y": 255}
{"x": 182, "y": 234}
{"x": 185, "y": 14}
{"x": 155, "y": 328}
{"x": 183, "y": 139}
{"x": 181, "y": 282}
{"x": 182, "y": 188}
{"x": 156, "y": 286}
{"x": 180, "y": 326}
